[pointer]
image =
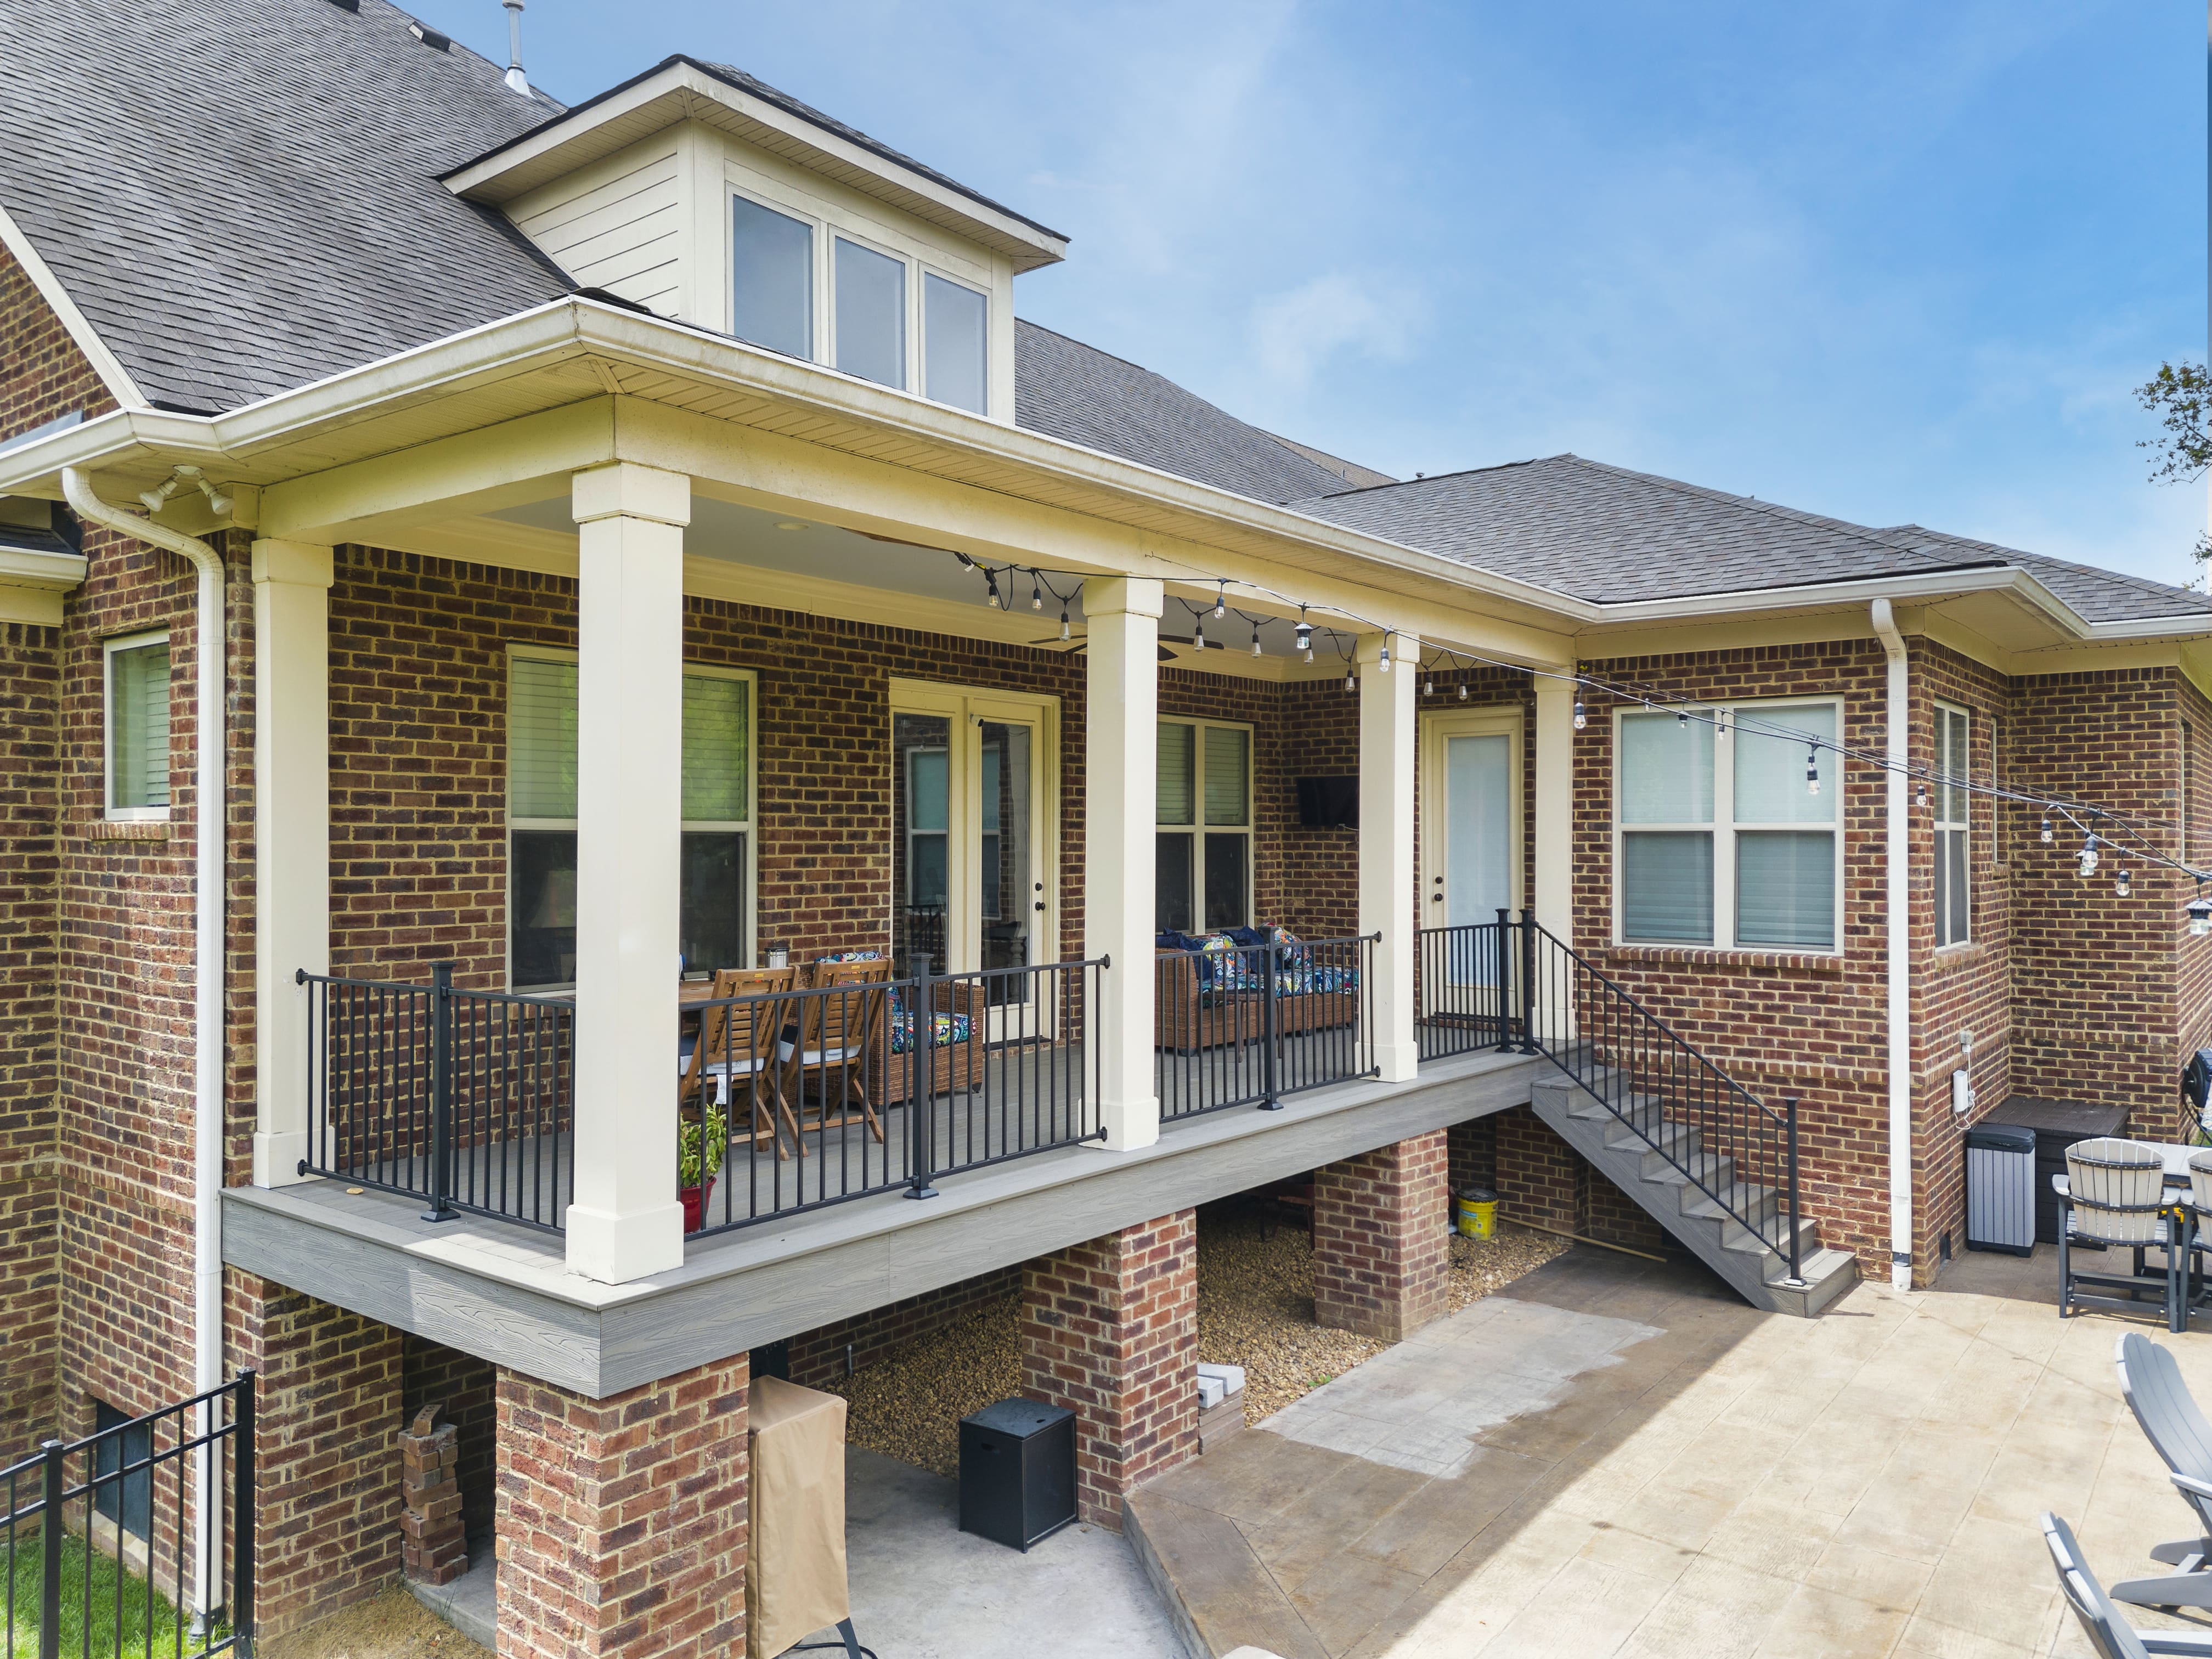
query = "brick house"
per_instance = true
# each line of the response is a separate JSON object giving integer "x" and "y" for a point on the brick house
{"x": 644, "y": 530}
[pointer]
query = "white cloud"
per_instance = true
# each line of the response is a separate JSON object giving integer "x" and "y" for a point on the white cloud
{"x": 1294, "y": 333}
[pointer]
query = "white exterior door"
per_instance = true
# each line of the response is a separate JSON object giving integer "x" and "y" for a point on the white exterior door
{"x": 1470, "y": 852}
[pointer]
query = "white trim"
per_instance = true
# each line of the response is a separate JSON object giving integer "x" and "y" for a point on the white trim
{"x": 105, "y": 363}
{"x": 108, "y": 650}
{"x": 1439, "y": 728}
{"x": 747, "y": 827}
{"x": 1943, "y": 826}
{"x": 1725, "y": 827}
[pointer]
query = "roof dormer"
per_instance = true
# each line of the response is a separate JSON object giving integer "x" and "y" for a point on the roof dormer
{"x": 704, "y": 195}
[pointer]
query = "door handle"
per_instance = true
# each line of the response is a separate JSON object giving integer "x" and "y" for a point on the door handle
{"x": 1435, "y": 898}
{"x": 1040, "y": 904}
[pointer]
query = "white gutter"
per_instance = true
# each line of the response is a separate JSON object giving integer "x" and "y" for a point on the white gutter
{"x": 209, "y": 810}
{"x": 1896, "y": 832}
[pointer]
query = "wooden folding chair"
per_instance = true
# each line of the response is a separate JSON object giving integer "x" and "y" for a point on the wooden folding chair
{"x": 841, "y": 1031}
{"x": 738, "y": 1045}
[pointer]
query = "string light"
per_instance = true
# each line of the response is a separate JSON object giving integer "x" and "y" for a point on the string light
{"x": 2200, "y": 916}
{"x": 1462, "y": 691}
{"x": 2046, "y": 832}
{"x": 992, "y": 599}
{"x": 2089, "y": 857}
{"x": 1682, "y": 720}
{"x": 1429, "y": 687}
{"x": 1255, "y": 639}
{"x": 1720, "y": 726}
{"x": 1305, "y": 635}
{"x": 1812, "y": 770}
{"x": 1383, "y": 662}
{"x": 1063, "y": 621}
{"x": 1349, "y": 684}
{"x": 1582, "y": 720}
{"x": 1920, "y": 797}
{"x": 1198, "y": 632}
{"x": 1221, "y": 600}
{"x": 1037, "y": 591}
{"x": 2120, "y": 886}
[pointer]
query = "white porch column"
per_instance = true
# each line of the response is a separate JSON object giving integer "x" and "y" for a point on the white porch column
{"x": 1121, "y": 705}
{"x": 1387, "y": 878}
{"x": 624, "y": 1222}
{"x": 291, "y": 838}
{"x": 1554, "y": 825}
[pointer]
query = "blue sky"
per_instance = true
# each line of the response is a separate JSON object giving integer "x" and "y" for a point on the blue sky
{"x": 1886, "y": 261}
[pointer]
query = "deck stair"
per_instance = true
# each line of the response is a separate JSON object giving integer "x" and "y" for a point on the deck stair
{"x": 1652, "y": 1158}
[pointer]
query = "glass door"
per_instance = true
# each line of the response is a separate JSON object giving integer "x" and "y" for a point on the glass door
{"x": 1470, "y": 857}
{"x": 921, "y": 825}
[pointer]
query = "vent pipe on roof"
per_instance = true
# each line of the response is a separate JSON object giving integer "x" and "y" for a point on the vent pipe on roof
{"x": 515, "y": 77}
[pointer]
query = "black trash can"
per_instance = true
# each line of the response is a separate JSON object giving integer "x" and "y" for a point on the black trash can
{"x": 1016, "y": 1472}
{"x": 2001, "y": 1188}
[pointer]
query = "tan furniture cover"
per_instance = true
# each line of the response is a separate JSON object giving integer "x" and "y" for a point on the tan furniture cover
{"x": 795, "y": 1568}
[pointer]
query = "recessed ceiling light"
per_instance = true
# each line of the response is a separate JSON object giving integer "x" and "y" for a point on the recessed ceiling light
{"x": 789, "y": 524}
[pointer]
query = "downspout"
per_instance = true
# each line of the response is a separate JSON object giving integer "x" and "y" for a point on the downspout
{"x": 211, "y": 809}
{"x": 1896, "y": 830}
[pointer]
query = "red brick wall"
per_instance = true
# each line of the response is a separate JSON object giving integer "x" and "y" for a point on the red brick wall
{"x": 30, "y": 1214}
{"x": 1381, "y": 1247}
{"x": 623, "y": 1521}
{"x": 326, "y": 1450}
{"x": 1109, "y": 1329}
{"x": 1541, "y": 1179}
{"x": 433, "y": 1373}
{"x": 818, "y": 1356}
{"x": 2193, "y": 957}
{"x": 43, "y": 375}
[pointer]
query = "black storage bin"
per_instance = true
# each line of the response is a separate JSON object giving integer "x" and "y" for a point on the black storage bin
{"x": 1016, "y": 1472}
{"x": 2058, "y": 1125}
{"x": 2001, "y": 1188}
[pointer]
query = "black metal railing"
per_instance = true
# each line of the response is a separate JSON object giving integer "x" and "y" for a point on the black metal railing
{"x": 1463, "y": 980}
{"x": 837, "y": 1091}
{"x": 1545, "y": 998}
{"x": 1247, "y": 1025}
{"x": 99, "y": 1544}
{"x": 465, "y": 1099}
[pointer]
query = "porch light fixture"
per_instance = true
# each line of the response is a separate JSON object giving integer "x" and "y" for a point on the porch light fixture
{"x": 2120, "y": 885}
{"x": 2200, "y": 916}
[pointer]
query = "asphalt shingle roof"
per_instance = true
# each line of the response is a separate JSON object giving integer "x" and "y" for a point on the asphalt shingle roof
{"x": 242, "y": 195}
{"x": 1610, "y": 536}
{"x": 1079, "y": 393}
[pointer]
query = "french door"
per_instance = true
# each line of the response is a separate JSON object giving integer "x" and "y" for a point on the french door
{"x": 1470, "y": 853}
{"x": 975, "y": 871}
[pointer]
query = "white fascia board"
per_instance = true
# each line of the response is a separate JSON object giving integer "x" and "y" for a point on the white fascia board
{"x": 54, "y": 573}
{"x": 1919, "y": 587}
{"x": 105, "y": 363}
{"x": 672, "y": 96}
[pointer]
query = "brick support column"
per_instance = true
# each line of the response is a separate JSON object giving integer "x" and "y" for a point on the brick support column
{"x": 1381, "y": 1247}
{"x": 327, "y": 1467}
{"x": 622, "y": 1522}
{"x": 1109, "y": 1329}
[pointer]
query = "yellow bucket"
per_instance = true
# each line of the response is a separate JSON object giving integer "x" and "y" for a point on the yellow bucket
{"x": 1475, "y": 1211}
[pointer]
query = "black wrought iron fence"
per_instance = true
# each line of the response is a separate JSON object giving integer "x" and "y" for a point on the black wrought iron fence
{"x": 813, "y": 1096}
{"x": 1463, "y": 989}
{"x": 465, "y": 1099}
{"x": 1244, "y": 1025}
{"x": 101, "y": 1548}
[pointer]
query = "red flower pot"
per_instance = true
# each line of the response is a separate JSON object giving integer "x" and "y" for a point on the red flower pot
{"x": 694, "y": 1200}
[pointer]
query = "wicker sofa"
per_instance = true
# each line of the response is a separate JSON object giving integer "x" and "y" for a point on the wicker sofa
{"x": 1211, "y": 988}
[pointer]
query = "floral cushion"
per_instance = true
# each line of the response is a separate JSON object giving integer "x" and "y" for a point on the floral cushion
{"x": 947, "y": 1030}
{"x": 1232, "y": 962}
{"x": 853, "y": 956}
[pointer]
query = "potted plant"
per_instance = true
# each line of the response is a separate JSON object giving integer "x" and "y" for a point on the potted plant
{"x": 700, "y": 1144}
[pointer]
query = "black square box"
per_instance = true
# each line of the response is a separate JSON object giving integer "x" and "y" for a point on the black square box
{"x": 1016, "y": 1472}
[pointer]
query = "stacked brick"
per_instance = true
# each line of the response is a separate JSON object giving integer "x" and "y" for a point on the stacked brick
{"x": 623, "y": 1521}
{"x": 1109, "y": 1329}
{"x": 432, "y": 1542}
{"x": 1381, "y": 1239}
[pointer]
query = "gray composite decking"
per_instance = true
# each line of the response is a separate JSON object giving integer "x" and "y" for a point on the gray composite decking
{"x": 504, "y": 1292}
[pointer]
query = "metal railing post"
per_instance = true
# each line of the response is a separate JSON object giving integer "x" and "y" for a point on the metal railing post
{"x": 50, "y": 1532}
{"x": 1796, "y": 1279}
{"x": 1269, "y": 1100}
{"x": 921, "y": 1081}
{"x": 441, "y": 1120}
{"x": 241, "y": 1512}
{"x": 1528, "y": 983}
{"x": 1504, "y": 981}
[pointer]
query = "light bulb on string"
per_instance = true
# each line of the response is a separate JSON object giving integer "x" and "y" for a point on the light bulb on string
{"x": 2200, "y": 916}
{"x": 1037, "y": 591}
{"x": 1220, "y": 600}
{"x": 1581, "y": 718}
{"x": 2089, "y": 857}
{"x": 1063, "y": 622}
{"x": 1383, "y": 662}
{"x": 1255, "y": 639}
{"x": 1920, "y": 796}
{"x": 1349, "y": 683}
{"x": 1681, "y": 720}
{"x": 2046, "y": 832}
{"x": 1429, "y": 688}
{"x": 1462, "y": 691}
{"x": 992, "y": 598}
{"x": 1305, "y": 635}
{"x": 1812, "y": 771}
{"x": 2120, "y": 888}
{"x": 1720, "y": 726}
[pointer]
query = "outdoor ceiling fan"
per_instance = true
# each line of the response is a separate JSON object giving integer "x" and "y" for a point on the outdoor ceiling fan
{"x": 1081, "y": 642}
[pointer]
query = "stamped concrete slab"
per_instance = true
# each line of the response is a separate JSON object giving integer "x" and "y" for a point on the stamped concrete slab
{"x": 1614, "y": 1458}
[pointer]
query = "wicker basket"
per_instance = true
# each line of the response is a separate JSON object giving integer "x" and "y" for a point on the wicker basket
{"x": 2117, "y": 1187}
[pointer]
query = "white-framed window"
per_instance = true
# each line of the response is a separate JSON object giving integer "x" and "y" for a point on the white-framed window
{"x": 137, "y": 716}
{"x": 1734, "y": 841}
{"x": 870, "y": 308}
{"x": 1954, "y": 908}
{"x": 716, "y": 914}
{"x": 771, "y": 277}
{"x": 1203, "y": 859}
{"x": 956, "y": 342}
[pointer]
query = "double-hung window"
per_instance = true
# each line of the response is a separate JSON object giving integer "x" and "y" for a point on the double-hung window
{"x": 714, "y": 922}
{"x": 138, "y": 709}
{"x": 1203, "y": 870}
{"x": 1953, "y": 839}
{"x": 1731, "y": 842}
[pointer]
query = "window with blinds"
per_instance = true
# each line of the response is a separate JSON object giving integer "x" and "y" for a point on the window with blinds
{"x": 138, "y": 727}
{"x": 1724, "y": 841}
{"x": 1203, "y": 876}
{"x": 714, "y": 925}
{"x": 1954, "y": 837}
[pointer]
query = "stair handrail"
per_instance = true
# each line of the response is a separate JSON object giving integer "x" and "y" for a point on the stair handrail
{"x": 1778, "y": 1131}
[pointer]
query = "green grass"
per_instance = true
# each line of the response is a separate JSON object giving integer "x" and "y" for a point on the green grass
{"x": 115, "y": 1600}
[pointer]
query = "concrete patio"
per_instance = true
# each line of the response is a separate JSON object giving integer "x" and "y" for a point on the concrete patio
{"x": 1617, "y": 1457}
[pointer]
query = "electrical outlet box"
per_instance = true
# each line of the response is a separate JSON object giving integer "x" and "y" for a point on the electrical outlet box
{"x": 1962, "y": 1092}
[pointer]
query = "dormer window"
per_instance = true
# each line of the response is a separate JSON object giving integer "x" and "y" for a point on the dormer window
{"x": 772, "y": 278}
{"x": 955, "y": 344}
{"x": 870, "y": 314}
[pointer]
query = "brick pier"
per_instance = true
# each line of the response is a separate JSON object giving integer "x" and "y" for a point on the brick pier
{"x": 1381, "y": 1243}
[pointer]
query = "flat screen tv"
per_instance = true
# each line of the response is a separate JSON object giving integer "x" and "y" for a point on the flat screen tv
{"x": 1328, "y": 803}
